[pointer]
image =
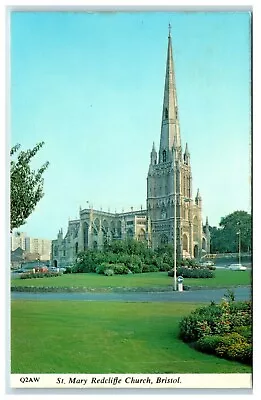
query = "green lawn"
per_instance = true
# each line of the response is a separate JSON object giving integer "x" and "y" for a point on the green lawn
{"x": 99, "y": 337}
{"x": 223, "y": 278}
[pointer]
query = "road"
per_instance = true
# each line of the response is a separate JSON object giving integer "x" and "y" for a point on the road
{"x": 194, "y": 296}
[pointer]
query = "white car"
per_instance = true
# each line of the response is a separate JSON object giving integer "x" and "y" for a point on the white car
{"x": 237, "y": 267}
{"x": 53, "y": 269}
{"x": 207, "y": 264}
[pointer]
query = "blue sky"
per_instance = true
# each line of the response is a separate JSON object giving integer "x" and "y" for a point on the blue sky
{"x": 91, "y": 86}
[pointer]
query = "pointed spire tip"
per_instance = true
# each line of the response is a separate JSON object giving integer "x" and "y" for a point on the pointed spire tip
{"x": 169, "y": 30}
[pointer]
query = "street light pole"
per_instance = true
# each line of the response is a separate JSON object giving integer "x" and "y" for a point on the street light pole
{"x": 175, "y": 242}
{"x": 239, "y": 246}
{"x": 175, "y": 234}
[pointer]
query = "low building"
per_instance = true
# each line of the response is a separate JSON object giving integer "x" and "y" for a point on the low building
{"x": 17, "y": 258}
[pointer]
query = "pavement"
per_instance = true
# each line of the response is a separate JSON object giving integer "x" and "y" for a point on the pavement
{"x": 190, "y": 296}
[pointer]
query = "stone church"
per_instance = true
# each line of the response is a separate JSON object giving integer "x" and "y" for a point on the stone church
{"x": 170, "y": 200}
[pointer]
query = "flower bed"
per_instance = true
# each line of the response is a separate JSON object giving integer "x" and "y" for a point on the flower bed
{"x": 222, "y": 329}
{"x": 31, "y": 275}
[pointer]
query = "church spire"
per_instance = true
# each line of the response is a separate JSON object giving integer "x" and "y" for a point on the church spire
{"x": 170, "y": 131}
{"x": 186, "y": 156}
{"x": 198, "y": 199}
{"x": 153, "y": 155}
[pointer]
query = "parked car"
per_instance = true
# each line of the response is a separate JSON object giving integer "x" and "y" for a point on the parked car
{"x": 237, "y": 267}
{"x": 53, "y": 269}
{"x": 20, "y": 271}
{"x": 57, "y": 269}
{"x": 207, "y": 264}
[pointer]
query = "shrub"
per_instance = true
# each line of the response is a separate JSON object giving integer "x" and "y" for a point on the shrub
{"x": 209, "y": 343}
{"x": 26, "y": 275}
{"x": 230, "y": 295}
{"x": 240, "y": 352}
{"x": 119, "y": 269}
{"x": 164, "y": 267}
{"x": 222, "y": 329}
{"x": 214, "y": 319}
{"x": 134, "y": 268}
{"x": 232, "y": 346}
{"x": 108, "y": 272}
{"x": 149, "y": 268}
{"x": 245, "y": 331}
{"x": 235, "y": 347}
{"x": 193, "y": 272}
{"x": 101, "y": 268}
{"x": 40, "y": 275}
{"x": 193, "y": 327}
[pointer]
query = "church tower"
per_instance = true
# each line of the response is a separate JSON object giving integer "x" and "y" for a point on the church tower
{"x": 169, "y": 181}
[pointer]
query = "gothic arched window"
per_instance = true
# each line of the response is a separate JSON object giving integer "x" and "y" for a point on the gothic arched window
{"x": 85, "y": 235}
{"x": 166, "y": 113}
{"x": 164, "y": 154}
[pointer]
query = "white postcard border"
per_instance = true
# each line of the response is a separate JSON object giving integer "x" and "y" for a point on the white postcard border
{"x": 128, "y": 381}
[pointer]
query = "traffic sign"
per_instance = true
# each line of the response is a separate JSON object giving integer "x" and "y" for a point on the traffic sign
{"x": 180, "y": 279}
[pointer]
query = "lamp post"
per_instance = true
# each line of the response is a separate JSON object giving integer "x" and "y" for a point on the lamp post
{"x": 186, "y": 199}
{"x": 239, "y": 247}
{"x": 175, "y": 237}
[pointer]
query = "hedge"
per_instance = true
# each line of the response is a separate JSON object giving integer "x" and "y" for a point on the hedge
{"x": 31, "y": 275}
{"x": 221, "y": 329}
{"x": 193, "y": 272}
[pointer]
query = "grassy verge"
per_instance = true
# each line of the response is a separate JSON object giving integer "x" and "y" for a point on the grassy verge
{"x": 223, "y": 278}
{"x": 90, "y": 337}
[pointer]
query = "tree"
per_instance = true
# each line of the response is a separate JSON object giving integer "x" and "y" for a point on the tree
{"x": 26, "y": 185}
{"x": 235, "y": 222}
{"x": 225, "y": 239}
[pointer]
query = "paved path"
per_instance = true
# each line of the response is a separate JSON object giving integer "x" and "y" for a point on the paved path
{"x": 196, "y": 296}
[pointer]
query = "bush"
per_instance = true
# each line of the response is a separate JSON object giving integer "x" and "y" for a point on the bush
{"x": 222, "y": 329}
{"x": 209, "y": 343}
{"x": 149, "y": 268}
{"x": 101, "y": 268}
{"x": 164, "y": 267}
{"x": 210, "y": 320}
{"x": 232, "y": 346}
{"x": 193, "y": 272}
{"x": 135, "y": 269}
{"x": 120, "y": 269}
{"x": 192, "y": 328}
{"x": 108, "y": 272}
{"x": 31, "y": 275}
{"x": 235, "y": 347}
{"x": 245, "y": 331}
{"x": 215, "y": 319}
{"x": 26, "y": 275}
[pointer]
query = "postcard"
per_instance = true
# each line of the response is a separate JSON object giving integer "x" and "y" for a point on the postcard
{"x": 130, "y": 196}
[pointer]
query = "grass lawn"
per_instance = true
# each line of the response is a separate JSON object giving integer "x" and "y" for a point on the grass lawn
{"x": 99, "y": 337}
{"x": 223, "y": 278}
